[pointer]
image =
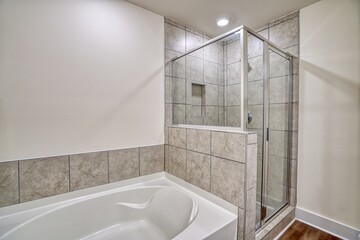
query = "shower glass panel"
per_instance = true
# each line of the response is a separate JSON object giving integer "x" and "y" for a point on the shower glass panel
{"x": 206, "y": 84}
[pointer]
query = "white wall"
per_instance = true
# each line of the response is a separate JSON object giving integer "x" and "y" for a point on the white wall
{"x": 329, "y": 127}
{"x": 79, "y": 76}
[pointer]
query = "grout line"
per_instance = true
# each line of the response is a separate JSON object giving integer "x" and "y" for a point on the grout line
{"x": 245, "y": 186}
{"x": 207, "y": 154}
{"x": 108, "y": 160}
{"x": 139, "y": 156}
{"x": 210, "y": 158}
{"x": 69, "y": 173}
{"x": 18, "y": 165}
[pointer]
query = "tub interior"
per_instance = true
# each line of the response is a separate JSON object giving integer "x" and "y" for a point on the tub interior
{"x": 142, "y": 213}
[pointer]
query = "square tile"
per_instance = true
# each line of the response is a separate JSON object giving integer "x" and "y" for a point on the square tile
{"x": 233, "y": 116}
{"x": 255, "y": 46}
{"x": 152, "y": 159}
{"x": 233, "y": 73}
{"x": 195, "y": 69}
{"x": 177, "y": 137}
{"x": 233, "y": 95}
{"x": 212, "y": 53}
{"x": 174, "y": 68}
{"x": 177, "y": 162}
{"x": 252, "y": 138}
{"x": 279, "y": 117}
{"x": 250, "y": 211}
{"x": 258, "y": 116}
{"x": 179, "y": 113}
{"x": 228, "y": 145}
{"x": 211, "y": 94}
{"x": 251, "y": 166}
{"x": 43, "y": 177}
{"x": 174, "y": 38}
{"x": 193, "y": 41}
{"x": 279, "y": 90}
{"x": 168, "y": 114}
{"x": 255, "y": 92}
{"x": 210, "y": 72}
{"x": 255, "y": 69}
{"x": 228, "y": 180}
{"x": 9, "y": 183}
{"x": 88, "y": 170}
{"x": 178, "y": 90}
{"x": 198, "y": 140}
{"x": 198, "y": 169}
{"x": 212, "y": 116}
{"x": 123, "y": 164}
{"x": 168, "y": 89}
{"x": 233, "y": 52}
{"x": 241, "y": 223}
{"x": 285, "y": 34}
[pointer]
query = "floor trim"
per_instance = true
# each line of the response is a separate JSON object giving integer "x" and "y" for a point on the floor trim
{"x": 327, "y": 225}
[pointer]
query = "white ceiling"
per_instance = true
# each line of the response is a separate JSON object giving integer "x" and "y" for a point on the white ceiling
{"x": 202, "y": 14}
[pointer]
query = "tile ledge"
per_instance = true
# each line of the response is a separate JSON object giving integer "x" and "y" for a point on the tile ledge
{"x": 213, "y": 128}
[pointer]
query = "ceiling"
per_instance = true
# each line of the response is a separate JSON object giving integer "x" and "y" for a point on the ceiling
{"x": 202, "y": 14}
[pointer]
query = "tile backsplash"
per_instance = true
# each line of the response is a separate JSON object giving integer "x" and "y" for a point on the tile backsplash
{"x": 27, "y": 180}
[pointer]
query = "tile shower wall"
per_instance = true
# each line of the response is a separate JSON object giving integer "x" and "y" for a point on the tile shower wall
{"x": 285, "y": 33}
{"x": 202, "y": 88}
{"x": 194, "y": 85}
{"x": 223, "y": 163}
{"x": 232, "y": 81}
{"x": 27, "y": 180}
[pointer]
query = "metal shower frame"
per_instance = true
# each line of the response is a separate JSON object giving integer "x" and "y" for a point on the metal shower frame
{"x": 268, "y": 46}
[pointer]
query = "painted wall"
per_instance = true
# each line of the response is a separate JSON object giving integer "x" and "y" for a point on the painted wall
{"x": 79, "y": 76}
{"x": 329, "y": 111}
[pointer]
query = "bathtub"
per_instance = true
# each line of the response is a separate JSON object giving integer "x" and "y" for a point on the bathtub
{"x": 158, "y": 206}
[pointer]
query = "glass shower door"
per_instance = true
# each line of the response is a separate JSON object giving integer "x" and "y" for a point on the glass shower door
{"x": 277, "y": 125}
{"x": 269, "y": 103}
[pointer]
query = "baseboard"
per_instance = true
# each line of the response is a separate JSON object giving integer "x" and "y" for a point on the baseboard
{"x": 327, "y": 225}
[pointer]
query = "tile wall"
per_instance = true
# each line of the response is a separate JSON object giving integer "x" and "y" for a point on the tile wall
{"x": 232, "y": 65}
{"x": 202, "y": 68}
{"x": 27, "y": 180}
{"x": 223, "y": 163}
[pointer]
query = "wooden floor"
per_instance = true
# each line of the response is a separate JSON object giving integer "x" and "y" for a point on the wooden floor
{"x": 301, "y": 231}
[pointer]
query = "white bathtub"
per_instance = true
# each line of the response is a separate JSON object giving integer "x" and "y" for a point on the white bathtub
{"x": 158, "y": 206}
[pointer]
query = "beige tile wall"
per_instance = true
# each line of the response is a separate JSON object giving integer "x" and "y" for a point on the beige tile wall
{"x": 203, "y": 67}
{"x": 223, "y": 163}
{"x": 27, "y": 180}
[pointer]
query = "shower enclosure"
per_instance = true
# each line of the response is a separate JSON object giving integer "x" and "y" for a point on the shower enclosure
{"x": 240, "y": 79}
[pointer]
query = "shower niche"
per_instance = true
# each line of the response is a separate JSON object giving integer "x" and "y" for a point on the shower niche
{"x": 226, "y": 80}
{"x": 197, "y": 106}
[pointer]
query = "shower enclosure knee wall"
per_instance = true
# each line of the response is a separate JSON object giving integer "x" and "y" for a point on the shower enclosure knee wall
{"x": 240, "y": 79}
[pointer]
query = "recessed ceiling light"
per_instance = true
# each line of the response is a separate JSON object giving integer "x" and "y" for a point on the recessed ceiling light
{"x": 223, "y": 21}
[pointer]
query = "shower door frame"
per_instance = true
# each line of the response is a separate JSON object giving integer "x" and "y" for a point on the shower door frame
{"x": 267, "y": 47}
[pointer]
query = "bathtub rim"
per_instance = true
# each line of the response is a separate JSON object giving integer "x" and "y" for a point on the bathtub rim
{"x": 114, "y": 187}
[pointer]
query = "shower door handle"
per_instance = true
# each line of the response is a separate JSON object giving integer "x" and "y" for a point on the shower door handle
{"x": 267, "y": 134}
